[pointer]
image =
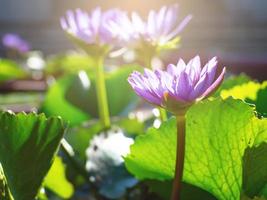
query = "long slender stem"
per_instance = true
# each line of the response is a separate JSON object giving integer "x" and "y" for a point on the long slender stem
{"x": 162, "y": 114}
{"x": 102, "y": 93}
{"x": 180, "y": 152}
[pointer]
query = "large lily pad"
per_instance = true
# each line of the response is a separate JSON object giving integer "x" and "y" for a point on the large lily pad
{"x": 218, "y": 133}
{"x": 55, "y": 102}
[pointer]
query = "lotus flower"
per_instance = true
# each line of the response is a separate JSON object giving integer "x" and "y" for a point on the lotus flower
{"x": 178, "y": 87}
{"x": 14, "y": 41}
{"x": 161, "y": 27}
{"x": 95, "y": 28}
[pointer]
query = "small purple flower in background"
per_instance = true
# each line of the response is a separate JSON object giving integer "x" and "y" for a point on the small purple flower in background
{"x": 178, "y": 87}
{"x": 161, "y": 27}
{"x": 14, "y": 41}
{"x": 95, "y": 28}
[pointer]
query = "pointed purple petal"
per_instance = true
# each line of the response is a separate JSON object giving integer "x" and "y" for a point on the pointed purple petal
{"x": 214, "y": 85}
{"x": 183, "y": 86}
{"x": 210, "y": 65}
{"x": 193, "y": 69}
{"x": 146, "y": 87}
{"x": 200, "y": 87}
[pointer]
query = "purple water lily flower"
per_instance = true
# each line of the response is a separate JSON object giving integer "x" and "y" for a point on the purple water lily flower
{"x": 95, "y": 28}
{"x": 161, "y": 27}
{"x": 179, "y": 86}
{"x": 14, "y": 41}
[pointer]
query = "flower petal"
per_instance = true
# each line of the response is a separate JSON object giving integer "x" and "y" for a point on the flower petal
{"x": 183, "y": 86}
{"x": 143, "y": 87}
{"x": 160, "y": 19}
{"x": 210, "y": 68}
{"x": 176, "y": 70}
{"x": 151, "y": 22}
{"x": 138, "y": 23}
{"x": 193, "y": 69}
{"x": 214, "y": 85}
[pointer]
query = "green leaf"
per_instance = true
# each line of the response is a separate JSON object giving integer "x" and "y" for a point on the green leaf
{"x": 255, "y": 170}
{"x": 260, "y": 101}
{"x": 189, "y": 192}
{"x": 245, "y": 91}
{"x": 232, "y": 82}
{"x": 41, "y": 195}
{"x": 55, "y": 102}
{"x": 251, "y": 92}
{"x": 75, "y": 103}
{"x": 69, "y": 63}
{"x": 79, "y": 136}
{"x": 244, "y": 197}
{"x": 118, "y": 99}
{"x": 131, "y": 126}
{"x": 56, "y": 180}
{"x": 28, "y": 145}
{"x": 10, "y": 70}
{"x": 218, "y": 132}
{"x": 264, "y": 191}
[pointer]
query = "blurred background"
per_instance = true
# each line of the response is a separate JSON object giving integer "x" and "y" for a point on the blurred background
{"x": 233, "y": 30}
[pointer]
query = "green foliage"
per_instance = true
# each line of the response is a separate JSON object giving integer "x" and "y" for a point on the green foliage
{"x": 255, "y": 170}
{"x": 231, "y": 82}
{"x": 56, "y": 180}
{"x": 244, "y": 91}
{"x": 218, "y": 133}
{"x": 244, "y": 197}
{"x": 75, "y": 103}
{"x": 79, "y": 136}
{"x": 119, "y": 92}
{"x": 261, "y": 101}
{"x": 69, "y": 63}
{"x": 251, "y": 92}
{"x": 4, "y": 190}
{"x": 10, "y": 70}
{"x": 55, "y": 102}
{"x": 131, "y": 126}
{"x": 28, "y": 145}
{"x": 189, "y": 192}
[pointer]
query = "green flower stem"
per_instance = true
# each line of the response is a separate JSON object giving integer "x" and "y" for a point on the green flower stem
{"x": 102, "y": 93}
{"x": 162, "y": 114}
{"x": 180, "y": 153}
